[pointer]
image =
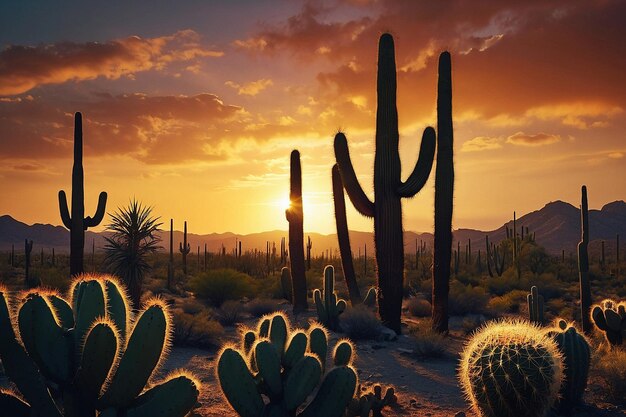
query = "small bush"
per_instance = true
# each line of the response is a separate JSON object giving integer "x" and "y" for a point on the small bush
{"x": 428, "y": 343}
{"x": 507, "y": 303}
{"x": 219, "y": 285}
{"x": 612, "y": 368}
{"x": 52, "y": 278}
{"x": 191, "y": 306}
{"x": 229, "y": 313}
{"x": 198, "y": 330}
{"x": 359, "y": 323}
{"x": 261, "y": 306}
{"x": 466, "y": 299}
{"x": 419, "y": 307}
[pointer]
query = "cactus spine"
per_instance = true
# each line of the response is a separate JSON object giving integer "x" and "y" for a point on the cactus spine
{"x": 610, "y": 318}
{"x": 343, "y": 237}
{"x": 184, "y": 247}
{"x": 295, "y": 217}
{"x": 76, "y": 346}
{"x": 328, "y": 306}
{"x": 511, "y": 369}
{"x": 389, "y": 189}
{"x": 286, "y": 366}
{"x": 576, "y": 359}
{"x": 535, "y": 306}
{"x": 583, "y": 264}
{"x": 78, "y": 223}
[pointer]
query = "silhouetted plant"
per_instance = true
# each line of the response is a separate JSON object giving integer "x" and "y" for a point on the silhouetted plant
{"x": 133, "y": 237}
{"x": 583, "y": 264}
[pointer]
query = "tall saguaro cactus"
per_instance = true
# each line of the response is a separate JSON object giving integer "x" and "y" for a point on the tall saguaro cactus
{"x": 184, "y": 248}
{"x": 78, "y": 223}
{"x": 583, "y": 264}
{"x": 444, "y": 196}
{"x": 295, "y": 217}
{"x": 389, "y": 189}
{"x": 344, "y": 238}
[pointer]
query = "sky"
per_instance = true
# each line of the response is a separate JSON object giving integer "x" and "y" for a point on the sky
{"x": 194, "y": 106}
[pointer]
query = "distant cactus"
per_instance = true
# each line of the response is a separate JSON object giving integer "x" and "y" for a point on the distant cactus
{"x": 583, "y": 264}
{"x": 371, "y": 401}
{"x": 610, "y": 318}
{"x": 286, "y": 366}
{"x": 78, "y": 223}
{"x": 576, "y": 359}
{"x": 309, "y": 246}
{"x": 89, "y": 351}
{"x": 170, "y": 263}
{"x": 496, "y": 256}
{"x": 511, "y": 369}
{"x": 184, "y": 248}
{"x": 389, "y": 189}
{"x": 295, "y": 217}
{"x": 285, "y": 284}
{"x": 328, "y": 306}
{"x": 343, "y": 238}
{"x": 31, "y": 282}
{"x": 535, "y": 306}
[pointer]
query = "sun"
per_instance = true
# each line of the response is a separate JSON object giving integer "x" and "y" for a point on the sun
{"x": 284, "y": 203}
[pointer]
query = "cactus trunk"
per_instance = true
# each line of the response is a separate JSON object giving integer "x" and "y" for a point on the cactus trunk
{"x": 295, "y": 217}
{"x": 583, "y": 265}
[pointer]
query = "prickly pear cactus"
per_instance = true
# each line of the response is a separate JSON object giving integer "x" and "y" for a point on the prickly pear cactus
{"x": 511, "y": 369}
{"x": 90, "y": 349}
{"x": 286, "y": 366}
{"x": 576, "y": 359}
{"x": 610, "y": 318}
{"x": 327, "y": 305}
{"x": 372, "y": 401}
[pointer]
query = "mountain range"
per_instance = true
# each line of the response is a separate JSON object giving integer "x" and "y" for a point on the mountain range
{"x": 556, "y": 227}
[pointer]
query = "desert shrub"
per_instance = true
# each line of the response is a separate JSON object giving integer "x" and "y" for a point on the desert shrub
{"x": 191, "y": 306}
{"x": 470, "y": 323}
{"x": 229, "y": 313}
{"x": 261, "y": 306}
{"x": 360, "y": 323}
{"x": 427, "y": 343}
{"x": 611, "y": 367}
{"x": 58, "y": 279}
{"x": 219, "y": 285}
{"x": 198, "y": 330}
{"x": 504, "y": 284}
{"x": 464, "y": 299}
{"x": 419, "y": 307}
{"x": 507, "y": 303}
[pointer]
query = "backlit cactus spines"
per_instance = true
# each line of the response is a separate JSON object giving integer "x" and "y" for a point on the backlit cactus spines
{"x": 285, "y": 284}
{"x": 511, "y": 369}
{"x": 184, "y": 248}
{"x": 583, "y": 263}
{"x": 87, "y": 350}
{"x": 610, "y": 318}
{"x": 372, "y": 401}
{"x": 576, "y": 359}
{"x": 77, "y": 223}
{"x": 295, "y": 217}
{"x": 328, "y": 306}
{"x": 389, "y": 189}
{"x": 286, "y": 370}
{"x": 535, "y": 306}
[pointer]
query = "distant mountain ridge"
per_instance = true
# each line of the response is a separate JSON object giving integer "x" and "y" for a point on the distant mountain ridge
{"x": 556, "y": 227}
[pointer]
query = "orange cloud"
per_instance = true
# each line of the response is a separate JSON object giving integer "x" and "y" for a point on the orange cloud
{"x": 481, "y": 143}
{"x": 23, "y": 68}
{"x": 539, "y": 139}
{"x": 252, "y": 88}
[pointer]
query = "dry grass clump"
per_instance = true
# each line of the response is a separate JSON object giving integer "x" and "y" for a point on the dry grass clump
{"x": 198, "y": 330}
{"x": 262, "y": 306}
{"x": 611, "y": 367}
{"x": 229, "y": 313}
{"x": 419, "y": 307}
{"x": 428, "y": 344}
{"x": 360, "y": 323}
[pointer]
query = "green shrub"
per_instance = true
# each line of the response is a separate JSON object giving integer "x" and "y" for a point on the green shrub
{"x": 360, "y": 323}
{"x": 198, "y": 330}
{"x": 219, "y": 285}
{"x": 507, "y": 303}
{"x": 464, "y": 299}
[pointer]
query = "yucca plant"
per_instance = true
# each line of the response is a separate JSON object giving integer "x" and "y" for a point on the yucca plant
{"x": 133, "y": 237}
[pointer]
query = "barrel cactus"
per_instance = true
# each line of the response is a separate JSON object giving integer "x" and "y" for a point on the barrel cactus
{"x": 328, "y": 306}
{"x": 371, "y": 401}
{"x": 511, "y": 369}
{"x": 610, "y": 318}
{"x": 275, "y": 370}
{"x": 576, "y": 359}
{"x": 88, "y": 357}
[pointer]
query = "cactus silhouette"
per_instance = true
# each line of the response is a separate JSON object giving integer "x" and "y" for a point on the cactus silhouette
{"x": 511, "y": 369}
{"x": 170, "y": 263}
{"x": 87, "y": 349}
{"x": 496, "y": 256}
{"x": 295, "y": 218}
{"x": 583, "y": 264}
{"x": 286, "y": 366}
{"x": 328, "y": 306}
{"x": 535, "y": 306}
{"x": 28, "y": 249}
{"x": 78, "y": 223}
{"x": 389, "y": 189}
{"x": 285, "y": 284}
{"x": 184, "y": 248}
{"x": 610, "y": 318}
{"x": 309, "y": 246}
{"x": 372, "y": 401}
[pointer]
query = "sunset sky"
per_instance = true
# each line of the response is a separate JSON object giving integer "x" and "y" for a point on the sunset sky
{"x": 194, "y": 106}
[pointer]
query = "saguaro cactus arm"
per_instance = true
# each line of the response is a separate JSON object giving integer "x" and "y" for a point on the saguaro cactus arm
{"x": 350, "y": 182}
{"x": 64, "y": 209}
{"x": 99, "y": 215}
{"x": 423, "y": 166}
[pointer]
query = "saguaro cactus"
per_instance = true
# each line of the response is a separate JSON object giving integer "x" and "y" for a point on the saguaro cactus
{"x": 295, "y": 217}
{"x": 170, "y": 263}
{"x": 28, "y": 248}
{"x": 344, "y": 238}
{"x": 444, "y": 194}
{"x": 78, "y": 223}
{"x": 389, "y": 189}
{"x": 328, "y": 306}
{"x": 184, "y": 248}
{"x": 309, "y": 246}
{"x": 583, "y": 264}
{"x": 535, "y": 306}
